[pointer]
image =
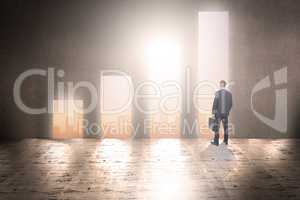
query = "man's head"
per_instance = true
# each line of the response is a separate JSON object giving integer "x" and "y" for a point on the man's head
{"x": 222, "y": 84}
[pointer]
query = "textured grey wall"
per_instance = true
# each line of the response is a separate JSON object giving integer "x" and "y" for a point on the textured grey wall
{"x": 264, "y": 38}
{"x": 85, "y": 36}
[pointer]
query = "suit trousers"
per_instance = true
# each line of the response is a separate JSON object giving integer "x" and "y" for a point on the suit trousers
{"x": 224, "y": 120}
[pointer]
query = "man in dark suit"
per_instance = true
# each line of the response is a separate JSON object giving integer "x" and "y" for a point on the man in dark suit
{"x": 221, "y": 107}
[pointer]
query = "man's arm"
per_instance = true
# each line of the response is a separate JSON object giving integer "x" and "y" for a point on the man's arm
{"x": 215, "y": 104}
{"x": 230, "y": 102}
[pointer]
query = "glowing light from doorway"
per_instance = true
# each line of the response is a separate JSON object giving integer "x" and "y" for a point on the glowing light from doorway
{"x": 163, "y": 57}
{"x": 213, "y": 54}
{"x": 213, "y": 46}
{"x": 213, "y": 58}
{"x": 67, "y": 119}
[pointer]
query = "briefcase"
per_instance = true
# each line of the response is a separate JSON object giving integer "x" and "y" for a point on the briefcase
{"x": 213, "y": 124}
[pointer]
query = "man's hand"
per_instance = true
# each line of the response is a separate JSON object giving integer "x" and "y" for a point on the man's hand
{"x": 214, "y": 111}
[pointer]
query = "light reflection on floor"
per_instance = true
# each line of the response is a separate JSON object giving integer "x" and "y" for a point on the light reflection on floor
{"x": 166, "y": 181}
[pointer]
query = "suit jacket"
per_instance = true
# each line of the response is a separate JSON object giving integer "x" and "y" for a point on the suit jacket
{"x": 222, "y": 103}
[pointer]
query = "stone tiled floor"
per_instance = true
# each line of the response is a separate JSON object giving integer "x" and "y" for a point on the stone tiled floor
{"x": 149, "y": 169}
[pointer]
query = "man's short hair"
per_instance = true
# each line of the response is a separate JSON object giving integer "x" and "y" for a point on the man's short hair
{"x": 223, "y": 82}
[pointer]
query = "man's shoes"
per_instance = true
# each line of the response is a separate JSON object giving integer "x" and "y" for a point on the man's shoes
{"x": 214, "y": 142}
{"x": 225, "y": 140}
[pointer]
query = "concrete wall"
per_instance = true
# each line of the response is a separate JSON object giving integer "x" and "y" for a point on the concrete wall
{"x": 86, "y": 36}
{"x": 264, "y": 39}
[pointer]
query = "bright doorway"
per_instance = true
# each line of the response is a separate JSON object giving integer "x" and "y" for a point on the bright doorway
{"x": 213, "y": 60}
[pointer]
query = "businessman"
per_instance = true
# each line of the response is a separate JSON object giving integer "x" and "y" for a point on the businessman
{"x": 221, "y": 107}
